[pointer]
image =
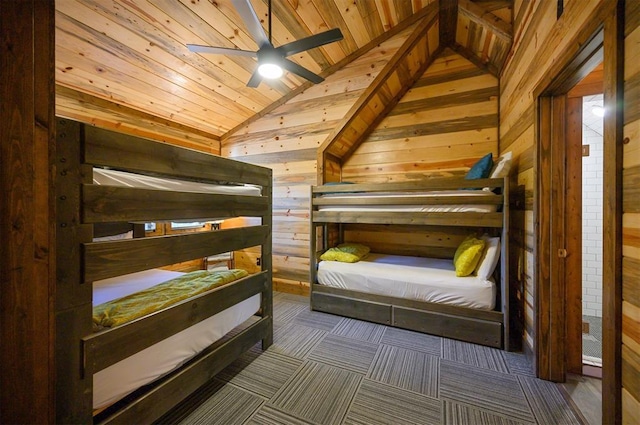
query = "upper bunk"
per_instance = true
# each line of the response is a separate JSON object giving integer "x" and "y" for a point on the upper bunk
{"x": 433, "y": 202}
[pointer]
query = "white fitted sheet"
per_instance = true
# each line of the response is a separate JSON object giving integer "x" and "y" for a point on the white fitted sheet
{"x": 124, "y": 377}
{"x": 105, "y": 177}
{"x": 412, "y": 208}
{"x": 418, "y": 278}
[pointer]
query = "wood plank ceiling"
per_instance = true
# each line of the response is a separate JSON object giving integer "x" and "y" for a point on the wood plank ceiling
{"x": 124, "y": 64}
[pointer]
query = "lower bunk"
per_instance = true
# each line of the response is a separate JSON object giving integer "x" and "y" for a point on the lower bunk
{"x": 415, "y": 293}
{"x": 142, "y": 386}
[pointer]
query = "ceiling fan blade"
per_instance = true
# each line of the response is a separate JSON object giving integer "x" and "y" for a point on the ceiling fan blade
{"x": 311, "y": 42}
{"x": 197, "y": 48}
{"x": 301, "y": 71}
{"x": 255, "y": 79}
{"x": 252, "y": 22}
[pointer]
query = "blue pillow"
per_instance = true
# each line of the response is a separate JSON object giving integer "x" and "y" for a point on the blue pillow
{"x": 481, "y": 169}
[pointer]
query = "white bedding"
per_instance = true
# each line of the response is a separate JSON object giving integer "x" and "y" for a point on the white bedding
{"x": 120, "y": 379}
{"x": 425, "y": 279}
{"x": 412, "y": 208}
{"x": 120, "y": 178}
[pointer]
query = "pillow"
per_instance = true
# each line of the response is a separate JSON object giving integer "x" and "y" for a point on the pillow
{"x": 481, "y": 169}
{"x": 489, "y": 259}
{"x": 346, "y": 253}
{"x": 467, "y": 256}
{"x": 126, "y": 235}
{"x": 502, "y": 167}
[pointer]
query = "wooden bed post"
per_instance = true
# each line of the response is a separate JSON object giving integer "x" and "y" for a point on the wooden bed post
{"x": 73, "y": 301}
{"x": 267, "y": 264}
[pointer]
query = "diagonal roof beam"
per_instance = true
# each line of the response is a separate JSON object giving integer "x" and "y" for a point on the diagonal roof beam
{"x": 485, "y": 18}
{"x": 398, "y": 76}
{"x": 448, "y": 22}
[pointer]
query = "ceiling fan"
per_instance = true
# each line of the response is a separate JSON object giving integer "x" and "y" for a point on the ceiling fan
{"x": 271, "y": 60}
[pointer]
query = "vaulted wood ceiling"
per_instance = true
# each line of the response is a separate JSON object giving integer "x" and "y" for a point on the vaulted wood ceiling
{"x": 124, "y": 63}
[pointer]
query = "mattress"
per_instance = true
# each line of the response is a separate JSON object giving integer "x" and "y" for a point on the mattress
{"x": 120, "y": 178}
{"x": 412, "y": 208}
{"x": 122, "y": 378}
{"x": 418, "y": 278}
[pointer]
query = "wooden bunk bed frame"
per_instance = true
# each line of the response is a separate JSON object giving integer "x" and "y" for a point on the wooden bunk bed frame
{"x": 490, "y": 328}
{"x": 85, "y": 210}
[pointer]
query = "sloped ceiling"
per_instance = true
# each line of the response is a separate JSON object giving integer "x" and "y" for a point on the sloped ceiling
{"x": 123, "y": 64}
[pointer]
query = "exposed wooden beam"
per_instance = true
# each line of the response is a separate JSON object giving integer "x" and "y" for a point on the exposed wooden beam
{"x": 448, "y": 21}
{"x": 485, "y": 18}
{"x": 398, "y": 76}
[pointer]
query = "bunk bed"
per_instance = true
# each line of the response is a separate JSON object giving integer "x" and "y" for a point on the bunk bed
{"x": 108, "y": 185}
{"x": 455, "y": 207}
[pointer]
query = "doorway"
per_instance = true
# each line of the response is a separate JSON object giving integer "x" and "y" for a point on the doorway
{"x": 592, "y": 224}
{"x": 553, "y": 297}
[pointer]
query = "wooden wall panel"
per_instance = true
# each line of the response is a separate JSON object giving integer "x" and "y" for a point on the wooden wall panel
{"x": 102, "y": 113}
{"x": 286, "y": 140}
{"x": 27, "y": 220}
{"x": 441, "y": 126}
{"x": 631, "y": 221}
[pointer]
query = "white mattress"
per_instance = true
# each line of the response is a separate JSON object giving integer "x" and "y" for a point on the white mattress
{"x": 122, "y": 378}
{"x": 120, "y": 178}
{"x": 412, "y": 208}
{"x": 425, "y": 279}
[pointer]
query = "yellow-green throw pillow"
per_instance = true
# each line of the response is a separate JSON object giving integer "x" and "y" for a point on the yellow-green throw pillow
{"x": 346, "y": 253}
{"x": 467, "y": 256}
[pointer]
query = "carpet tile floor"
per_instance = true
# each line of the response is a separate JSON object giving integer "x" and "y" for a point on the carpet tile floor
{"x": 324, "y": 370}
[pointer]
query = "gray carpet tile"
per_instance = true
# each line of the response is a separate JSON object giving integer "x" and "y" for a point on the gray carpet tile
{"x": 226, "y": 404}
{"x": 365, "y": 373}
{"x": 286, "y": 311}
{"x": 547, "y": 403}
{"x": 350, "y": 354}
{"x": 495, "y": 392}
{"x": 474, "y": 355}
{"x": 295, "y": 340}
{"x": 262, "y": 375}
{"x": 459, "y": 414}
{"x": 413, "y": 341}
{"x": 518, "y": 364}
{"x": 316, "y": 319}
{"x": 380, "y": 404}
{"x": 318, "y": 393}
{"x": 358, "y": 329}
{"x": 267, "y": 415}
{"x": 407, "y": 369}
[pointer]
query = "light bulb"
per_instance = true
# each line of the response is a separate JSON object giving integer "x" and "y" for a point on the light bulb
{"x": 270, "y": 70}
{"x": 598, "y": 111}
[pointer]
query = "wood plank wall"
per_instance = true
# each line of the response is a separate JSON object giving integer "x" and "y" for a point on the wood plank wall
{"x": 440, "y": 127}
{"x": 286, "y": 140}
{"x": 631, "y": 219}
{"x": 539, "y": 39}
{"x": 27, "y": 220}
{"x": 78, "y": 106}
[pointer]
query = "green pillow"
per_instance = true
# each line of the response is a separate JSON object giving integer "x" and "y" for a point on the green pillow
{"x": 346, "y": 253}
{"x": 467, "y": 256}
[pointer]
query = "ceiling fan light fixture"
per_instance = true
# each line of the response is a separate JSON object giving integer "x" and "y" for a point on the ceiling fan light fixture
{"x": 270, "y": 70}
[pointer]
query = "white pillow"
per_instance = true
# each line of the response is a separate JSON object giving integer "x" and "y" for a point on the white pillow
{"x": 126, "y": 235}
{"x": 489, "y": 259}
{"x": 502, "y": 167}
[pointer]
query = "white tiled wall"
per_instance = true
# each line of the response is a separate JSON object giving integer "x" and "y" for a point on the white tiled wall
{"x": 592, "y": 177}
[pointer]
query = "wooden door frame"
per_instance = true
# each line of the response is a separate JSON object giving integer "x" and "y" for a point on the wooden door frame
{"x": 550, "y": 325}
